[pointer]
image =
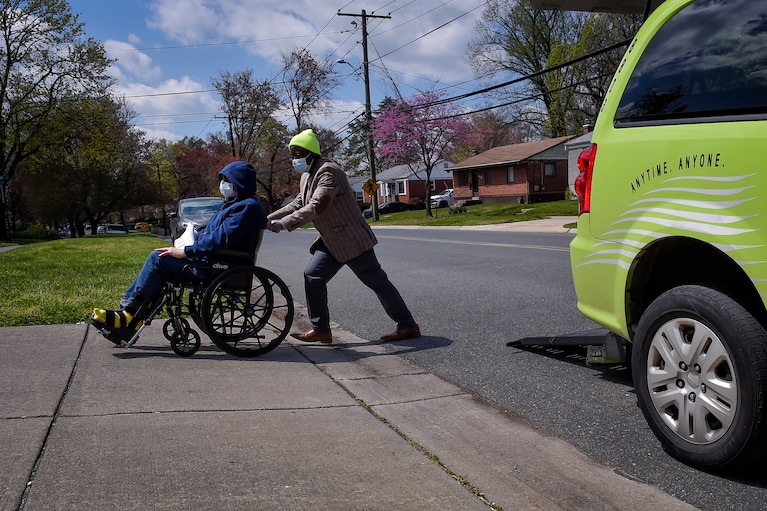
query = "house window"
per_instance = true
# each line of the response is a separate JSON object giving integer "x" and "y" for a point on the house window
{"x": 550, "y": 170}
{"x": 488, "y": 181}
{"x": 510, "y": 174}
{"x": 401, "y": 187}
{"x": 463, "y": 178}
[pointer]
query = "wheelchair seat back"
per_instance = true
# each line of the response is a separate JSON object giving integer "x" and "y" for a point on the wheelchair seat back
{"x": 223, "y": 260}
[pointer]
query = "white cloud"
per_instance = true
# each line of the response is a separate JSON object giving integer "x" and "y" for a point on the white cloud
{"x": 136, "y": 63}
{"x": 163, "y": 110}
{"x": 279, "y": 27}
{"x": 179, "y": 46}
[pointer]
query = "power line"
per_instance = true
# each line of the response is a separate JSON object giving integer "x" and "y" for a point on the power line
{"x": 535, "y": 74}
{"x": 434, "y": 29}
{"x": 273, "y": 80}
{"x": 386, "y": 72}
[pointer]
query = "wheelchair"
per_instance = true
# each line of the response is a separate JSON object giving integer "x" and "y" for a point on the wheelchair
{"x": 245, "y": 310}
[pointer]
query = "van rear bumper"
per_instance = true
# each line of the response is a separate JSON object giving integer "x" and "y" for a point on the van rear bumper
{"x": 600, "y": 272}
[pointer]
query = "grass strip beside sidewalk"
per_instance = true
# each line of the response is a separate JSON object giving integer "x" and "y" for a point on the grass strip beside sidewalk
{"x": 59, "y": 282}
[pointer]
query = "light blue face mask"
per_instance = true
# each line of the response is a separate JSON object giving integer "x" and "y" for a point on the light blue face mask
{"x": 300, "y": 165}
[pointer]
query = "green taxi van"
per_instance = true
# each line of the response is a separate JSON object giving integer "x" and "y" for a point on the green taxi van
{"x": 671, "y": 249}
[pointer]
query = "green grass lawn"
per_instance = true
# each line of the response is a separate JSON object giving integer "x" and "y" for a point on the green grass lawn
{"x": 58, "y": 282}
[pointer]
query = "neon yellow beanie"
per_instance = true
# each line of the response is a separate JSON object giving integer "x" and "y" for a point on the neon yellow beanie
{"x": 307, "y": 140}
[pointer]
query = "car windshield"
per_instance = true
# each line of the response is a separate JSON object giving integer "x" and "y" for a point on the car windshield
{"x": 200, "y": 208}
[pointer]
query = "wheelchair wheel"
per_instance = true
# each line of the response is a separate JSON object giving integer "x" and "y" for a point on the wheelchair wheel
{"x": 169, "y": 329}
{"x": 185, "y": 344}
{"x": 247, "y": 311}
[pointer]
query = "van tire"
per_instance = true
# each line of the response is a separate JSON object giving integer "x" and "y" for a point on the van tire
{"x": 699, "y": 365}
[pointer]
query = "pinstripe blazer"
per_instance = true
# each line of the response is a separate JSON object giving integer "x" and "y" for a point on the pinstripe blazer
{"x": 326, "y": 198}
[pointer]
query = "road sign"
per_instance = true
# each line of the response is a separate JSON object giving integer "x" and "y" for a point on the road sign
{"x": 370, "y": 187}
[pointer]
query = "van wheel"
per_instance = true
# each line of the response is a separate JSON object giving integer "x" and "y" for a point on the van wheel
{"x": 699, "y": 364}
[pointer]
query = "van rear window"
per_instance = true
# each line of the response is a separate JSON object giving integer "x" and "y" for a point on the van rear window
{"x": 708, "y": 60}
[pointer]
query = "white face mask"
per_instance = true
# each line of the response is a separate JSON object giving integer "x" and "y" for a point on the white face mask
{"x": 227, "y": 190}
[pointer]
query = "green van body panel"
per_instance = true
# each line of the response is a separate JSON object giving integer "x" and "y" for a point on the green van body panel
{"x": 698, "y": 180}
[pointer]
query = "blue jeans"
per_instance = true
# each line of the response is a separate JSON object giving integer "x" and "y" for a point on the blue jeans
{"x": 155, "y": 273}
{"x": 366, "y": 267}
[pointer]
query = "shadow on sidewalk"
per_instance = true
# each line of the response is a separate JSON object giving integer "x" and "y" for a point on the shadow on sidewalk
{"x": 343, "y": 351}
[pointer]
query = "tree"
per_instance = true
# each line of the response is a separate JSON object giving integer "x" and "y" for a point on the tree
{"x": 486, "y": 130}
{"x": 44, "y": 59}
{"x": 250, "y": 107}
{"x": 330, "y": 143}
{"x": 91, "y": 163}
{"x": 514, "y": 37}
{"x": 308, "y": 84}
{"x": 354, "y": 152}
{"x": 601, "y": 31}
{"x": 418, "y": 132}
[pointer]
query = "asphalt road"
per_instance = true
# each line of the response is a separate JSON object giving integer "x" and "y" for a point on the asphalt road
{"x": 472, "y": 292}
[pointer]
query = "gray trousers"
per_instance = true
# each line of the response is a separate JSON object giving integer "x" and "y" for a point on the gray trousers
{"x": 366, "y": 267}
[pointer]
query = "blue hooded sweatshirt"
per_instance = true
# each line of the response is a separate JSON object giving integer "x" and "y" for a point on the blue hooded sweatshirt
{"x": 238, "y": 224}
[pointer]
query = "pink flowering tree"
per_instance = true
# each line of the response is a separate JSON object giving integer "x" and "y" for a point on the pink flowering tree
{"x": 419, "y": 132}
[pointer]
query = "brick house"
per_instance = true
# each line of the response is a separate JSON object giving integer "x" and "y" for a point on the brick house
{"x": 528, "y": 172}
{"x": 401, "y": 184}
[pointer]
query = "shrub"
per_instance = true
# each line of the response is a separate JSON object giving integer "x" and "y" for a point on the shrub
{"x": 416, "y": 203}
{"x": 37, "y": 232}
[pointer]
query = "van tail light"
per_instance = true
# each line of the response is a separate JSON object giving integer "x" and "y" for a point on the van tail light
{"x": 583, "y": 181}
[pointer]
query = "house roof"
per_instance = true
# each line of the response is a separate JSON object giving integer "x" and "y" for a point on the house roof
{"x": 508, "y": 154}
{"x": 578, "y": 142}
{"x": 615, "y": 6}
{"x": 356, "y": 182}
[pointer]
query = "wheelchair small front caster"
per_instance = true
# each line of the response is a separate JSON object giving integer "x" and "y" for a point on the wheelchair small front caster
{"x": 185, "y": 344}
{"x": 169, "y": 329}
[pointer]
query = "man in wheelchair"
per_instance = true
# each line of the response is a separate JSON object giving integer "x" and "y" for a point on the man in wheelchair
{"x": 237, "y": 226}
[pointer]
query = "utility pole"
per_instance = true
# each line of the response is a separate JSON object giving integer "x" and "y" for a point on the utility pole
{"x": 162, "y": 202}
{"x": 368, "y": 109}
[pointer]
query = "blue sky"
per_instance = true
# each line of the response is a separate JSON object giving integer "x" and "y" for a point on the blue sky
{"x": 168, "y": 51}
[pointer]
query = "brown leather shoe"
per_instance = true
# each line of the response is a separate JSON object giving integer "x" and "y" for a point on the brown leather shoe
{"x": 402, "y": 334}
{"x": 312, "y": 336}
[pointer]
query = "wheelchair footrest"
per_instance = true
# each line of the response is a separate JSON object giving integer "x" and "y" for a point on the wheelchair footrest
{"x": 123, "y": 337}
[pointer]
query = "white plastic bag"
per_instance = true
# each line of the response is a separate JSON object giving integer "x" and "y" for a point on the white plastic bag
{"x": 187, "y": 238}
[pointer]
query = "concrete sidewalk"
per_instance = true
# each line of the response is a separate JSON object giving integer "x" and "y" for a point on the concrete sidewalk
{"x": 86, "y": 426}
{"x": 553, "y": 224}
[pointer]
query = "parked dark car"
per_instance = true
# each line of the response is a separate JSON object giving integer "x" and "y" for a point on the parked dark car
{"x": 197, "y": 210}
{"x": 389, "y": 207}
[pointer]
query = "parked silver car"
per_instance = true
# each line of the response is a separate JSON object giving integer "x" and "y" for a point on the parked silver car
{"x": 197, "y": 210}
{"x": 443, "y": 199}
